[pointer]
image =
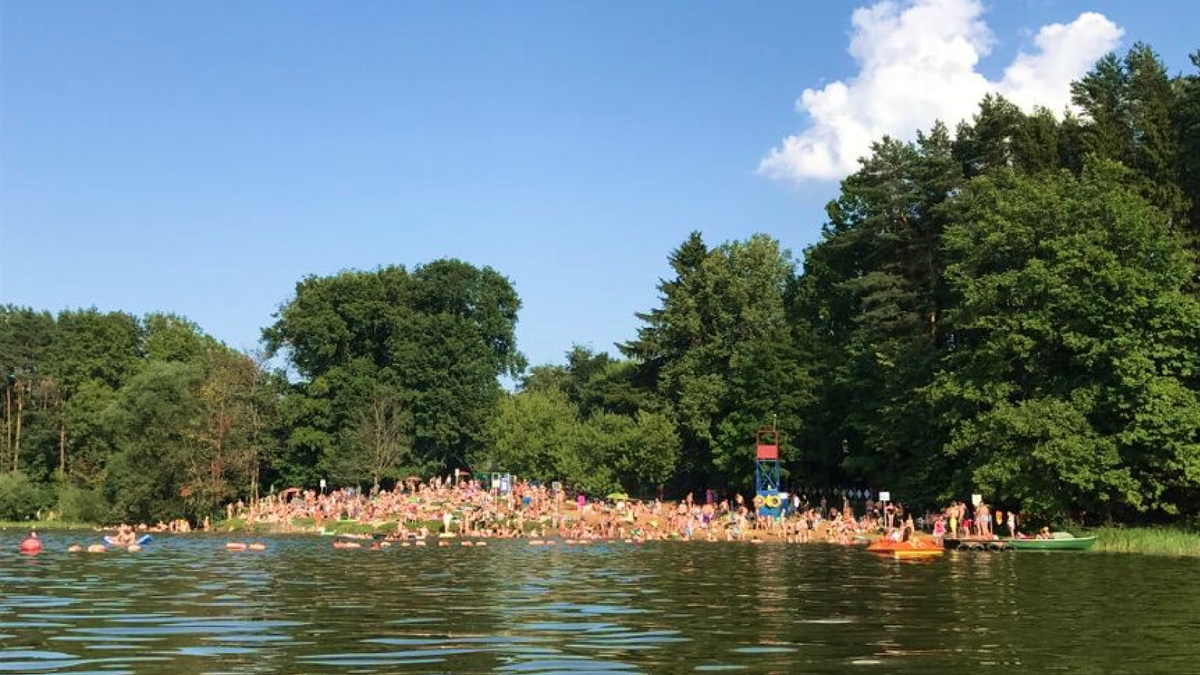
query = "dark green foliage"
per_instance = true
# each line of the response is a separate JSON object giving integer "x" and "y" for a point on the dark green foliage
{"x": 439, "y": 337}
{"x": 1094, "y": 415}
{"x": 111, "y": 416}
{"x": 20, "y": 499}
{"x": 1186, "y": 118}
{"x": 1069, "y": 384}
{"x": 721, "y": 353}
{"x": 91, "y": 346}
{"x": 82, "y": 505}
{"x": 1103, "y": 96}
{"x": 1155, "y": 151}
{"x": 1129, "y": 103}
{"x": 156, "y": 414}
{"x": 378, "y": 442}
{"x": 872, "y": 296}
{"x": 540, "y": 434}
{"x": 588, "y": 423}
{"x": 1003, "y": 136}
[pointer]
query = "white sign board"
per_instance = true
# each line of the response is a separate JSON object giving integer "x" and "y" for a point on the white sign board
{"x": 885, "y": 496}
{"x": 322, "y": 483}
{"x": 976, "y": 500}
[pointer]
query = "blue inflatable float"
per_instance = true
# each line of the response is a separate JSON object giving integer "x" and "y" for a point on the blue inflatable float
{"x": 141, "y": 541}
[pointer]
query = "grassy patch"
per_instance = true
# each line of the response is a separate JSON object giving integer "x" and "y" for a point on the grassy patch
{"x": 431, "y": 525}
{"x": 232, "y": 525}
{"x": 45, "y": 525}
{"x": 329, "y": 526}
{"x": 1149, "y": 540}
{"x": 348, "y": 527}
{"x": 240, "y": 525}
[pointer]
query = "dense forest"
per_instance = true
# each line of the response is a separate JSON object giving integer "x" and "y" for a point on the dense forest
{"x": 1011, "y": 307}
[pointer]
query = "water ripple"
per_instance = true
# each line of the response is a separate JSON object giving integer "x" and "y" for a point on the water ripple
{"x": 185, "y": 605}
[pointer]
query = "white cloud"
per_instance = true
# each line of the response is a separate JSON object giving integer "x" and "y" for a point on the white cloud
{"x": 917, "y": 65}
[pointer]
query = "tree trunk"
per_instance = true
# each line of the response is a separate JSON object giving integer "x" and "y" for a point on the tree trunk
{"x": 17, "y": 444}
{"x": 7, "y": 420}
{"x": 62, "y": 448}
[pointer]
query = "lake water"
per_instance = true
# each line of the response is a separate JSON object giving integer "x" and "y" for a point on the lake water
{"x": 185, "y": 605}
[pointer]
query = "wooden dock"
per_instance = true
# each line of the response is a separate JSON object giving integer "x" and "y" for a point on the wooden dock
{"x": 995, "y": 545}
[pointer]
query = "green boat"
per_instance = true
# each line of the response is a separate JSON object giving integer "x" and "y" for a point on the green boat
{"x": 1059, "y": 541}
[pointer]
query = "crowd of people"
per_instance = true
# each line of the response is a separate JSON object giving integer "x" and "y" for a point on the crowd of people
{"x": 457, "y": 507}
{"x": 467, "y": 508}
{"x": 957, "y": 521}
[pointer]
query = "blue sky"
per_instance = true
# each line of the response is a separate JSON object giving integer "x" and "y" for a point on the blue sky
{"x": 202, "y": 157}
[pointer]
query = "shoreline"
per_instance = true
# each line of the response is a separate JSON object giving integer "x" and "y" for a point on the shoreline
{"x": 1155, "y": 541}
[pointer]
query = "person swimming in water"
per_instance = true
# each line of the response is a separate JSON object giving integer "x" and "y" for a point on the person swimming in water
{"x": 125, "y": 536}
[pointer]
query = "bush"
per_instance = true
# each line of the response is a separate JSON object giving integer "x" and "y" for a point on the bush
{"x": 80, "y": 505}
{"x": 19, "y": 497}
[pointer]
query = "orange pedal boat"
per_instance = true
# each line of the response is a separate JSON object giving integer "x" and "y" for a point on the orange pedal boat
{"x": 916, "y": 548}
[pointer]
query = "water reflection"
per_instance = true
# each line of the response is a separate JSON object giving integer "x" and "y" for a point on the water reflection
{"x": 185, "y": 605}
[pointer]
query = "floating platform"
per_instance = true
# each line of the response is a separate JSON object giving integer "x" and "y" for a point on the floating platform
{"x": 976, "y": 545}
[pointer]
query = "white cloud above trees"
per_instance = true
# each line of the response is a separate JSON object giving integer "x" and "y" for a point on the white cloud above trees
{"x": 918, "y": 63}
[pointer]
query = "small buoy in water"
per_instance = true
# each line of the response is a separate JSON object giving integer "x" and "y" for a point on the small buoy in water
{"x": 536, "y": 542}
{"x": 257, "y": 546}
{"x": 96, "y": 548}
{"x": 468, "y": 543}
{"x": 74, "y": 548}
{"x": 420, "y": 542}
{"x": 31, "y": 544}
{"x": 481, "y": 543}
{"x": 443, "y": 543}
{"x": 405, "y": 544}
{"x": 235, "y": 546}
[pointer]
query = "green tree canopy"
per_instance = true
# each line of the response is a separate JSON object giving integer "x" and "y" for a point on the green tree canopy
{"x": 439, "y": 337}
{"x": 1068, "y": 382}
